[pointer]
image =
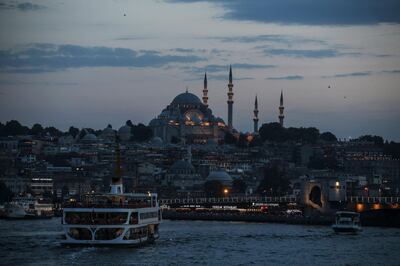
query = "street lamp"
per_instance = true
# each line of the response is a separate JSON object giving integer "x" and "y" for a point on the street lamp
{"x": 226, "y": 191}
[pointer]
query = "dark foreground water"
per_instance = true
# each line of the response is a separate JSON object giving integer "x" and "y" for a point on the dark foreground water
{"x": 205, "y": 243}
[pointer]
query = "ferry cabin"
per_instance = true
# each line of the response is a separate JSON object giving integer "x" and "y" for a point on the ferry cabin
{"x": 112, "y": 219}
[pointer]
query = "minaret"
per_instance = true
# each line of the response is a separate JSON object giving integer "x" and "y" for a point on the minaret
{"x": 205, "y": 91}
{"x": 255, "y": 119}
{"x": 116, "y": 186}
{"x": 230, "y": 99}
{"x": 281, "y": 108}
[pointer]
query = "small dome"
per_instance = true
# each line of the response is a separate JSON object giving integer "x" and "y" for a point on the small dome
{"x": 157, "y": 141}
{"x": 124, "y": 129}
{"x": 186, "y": 98}
{"x": 89, "y": 137}
{"x": 124, "y": 133}
{"x": 108, "y": 130}
{"x": 219, "y": 175}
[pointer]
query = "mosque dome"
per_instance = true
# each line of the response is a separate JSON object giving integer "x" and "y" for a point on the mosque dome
{"x": 219, "y": 175}
{"x": 186, "y": 98}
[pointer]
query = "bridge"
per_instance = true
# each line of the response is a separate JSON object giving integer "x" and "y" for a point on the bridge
{"x": 245, "y": 200}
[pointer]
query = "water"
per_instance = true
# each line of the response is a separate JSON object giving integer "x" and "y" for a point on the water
{"x": 205, "y": 243}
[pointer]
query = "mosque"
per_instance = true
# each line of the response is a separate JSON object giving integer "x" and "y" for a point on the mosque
{"x": 189, "y": 120}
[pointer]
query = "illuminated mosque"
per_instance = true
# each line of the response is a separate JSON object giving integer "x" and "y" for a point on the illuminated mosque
{"x": 189, "y": 120}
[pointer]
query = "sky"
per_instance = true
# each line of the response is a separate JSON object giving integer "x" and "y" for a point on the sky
{"x": 92, "y": 63}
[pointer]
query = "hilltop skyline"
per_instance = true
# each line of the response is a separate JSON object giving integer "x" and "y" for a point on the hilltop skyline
{"x": 96, "y": 63}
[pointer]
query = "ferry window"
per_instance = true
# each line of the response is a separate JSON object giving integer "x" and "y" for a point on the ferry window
{"x": 96, "y": 217}
{"x": 80, "y": 233}
{"x": 134, "y": 218}
{"x": 148, "y": 215}
{"x": 108, "y": 233}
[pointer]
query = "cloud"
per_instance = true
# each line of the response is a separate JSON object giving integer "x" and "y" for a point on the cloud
{"x": 353, "y": 74}
{"x": 306, "y": 12}
{"x": 395, "y": 71}
{"x": 295, "y": 77}
{"x": 224, "y": 68}
{"x": 38, "y": 58}
{"x": 218, "y": 77}
{"x": 276, "y": 38}
{"x": 363, "y": 73}
{"x": 318, "y": 53}
{"x": 22, "y": 6}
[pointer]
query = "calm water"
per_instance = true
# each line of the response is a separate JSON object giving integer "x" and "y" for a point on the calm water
{"x": 205, "y": 243}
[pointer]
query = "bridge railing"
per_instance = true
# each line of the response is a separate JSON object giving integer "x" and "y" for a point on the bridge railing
{"x": 266, "y": 200}
{"x": 387, "y": 200}
{"x": 287, "y": 199}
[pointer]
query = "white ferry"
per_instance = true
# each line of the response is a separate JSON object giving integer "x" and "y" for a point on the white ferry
{"x": 114, "y": 218}
{"x": 347, "y": 222}
{"x": 28, "y": 207}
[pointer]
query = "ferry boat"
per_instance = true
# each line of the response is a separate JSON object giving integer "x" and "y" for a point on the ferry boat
{"x": 28, "y": 207}
{"x": 347, "y": 222}
{"x": 113, "y": 218}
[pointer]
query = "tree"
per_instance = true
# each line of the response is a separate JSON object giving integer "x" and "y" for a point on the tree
{"x": 274, "y": 182}
{"x": 392, "y": 148}
{"x": 375, "y": 139}
{"x": 36, "y": 130}
{"x": 229, "y": 138}
{"x": 328, "y": 136}
{"x": 256, "y": 141}
{"x": 129, "y": 123}
{"x": 14, "y": 128}
{"x": 52, "y": 131}
{"x": 242, "y": 141}
{"x": 272, "y": 132}
{"x": 73, "y": 131}
{"x": 213, "y": 188}
{"x": 141, "y": 132}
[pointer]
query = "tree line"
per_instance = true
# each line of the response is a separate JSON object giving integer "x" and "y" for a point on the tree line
{"x": 139, "y": 132}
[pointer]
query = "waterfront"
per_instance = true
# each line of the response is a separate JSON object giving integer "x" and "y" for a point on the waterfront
{"x": 205, "y": 243}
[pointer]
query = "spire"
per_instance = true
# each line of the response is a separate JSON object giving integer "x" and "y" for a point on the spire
{"x": 255, "y": 119}
{"x": 205, "y": 91}
{"x": 230, "y": 74}
{"x": 187, "y": 89}
{"x": 230, "y": 99}
{"x": 281, "y": 108}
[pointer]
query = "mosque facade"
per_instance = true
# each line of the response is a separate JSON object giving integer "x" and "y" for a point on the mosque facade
{"x": 189, "y": 120}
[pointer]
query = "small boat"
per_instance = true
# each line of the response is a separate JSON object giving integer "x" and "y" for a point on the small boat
{"x": 347, "y": 222}
{"x": 28, "y": 207}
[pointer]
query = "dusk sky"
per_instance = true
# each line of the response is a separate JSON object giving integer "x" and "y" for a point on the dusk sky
{"x": 93, "y": 63}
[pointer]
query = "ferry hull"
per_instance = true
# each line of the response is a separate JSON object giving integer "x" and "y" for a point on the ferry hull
{"x": 349, "y": 230}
